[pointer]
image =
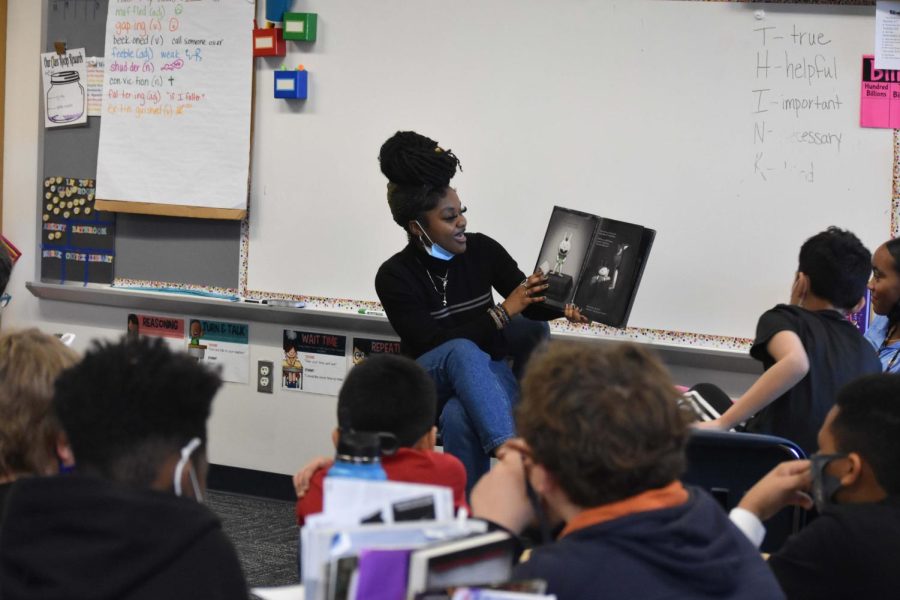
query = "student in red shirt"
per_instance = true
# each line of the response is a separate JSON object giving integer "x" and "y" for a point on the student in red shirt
{"x": 390, "y": 394}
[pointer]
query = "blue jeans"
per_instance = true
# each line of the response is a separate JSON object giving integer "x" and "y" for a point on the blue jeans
{"x": 478, "y": 394}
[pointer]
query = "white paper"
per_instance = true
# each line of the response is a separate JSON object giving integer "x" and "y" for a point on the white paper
{"x": 348, "y": 500}
{"x": 887, "y": 34}
{"x": 285, "y": 592}
{"x": 95, "y": 67}
{"x": 322, "y": 541}
{"x": 176, "y": 107}
{"x": 65, "y": 78}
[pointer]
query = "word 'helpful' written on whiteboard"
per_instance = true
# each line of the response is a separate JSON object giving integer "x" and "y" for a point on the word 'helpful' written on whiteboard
{"x": 795, "y": 100}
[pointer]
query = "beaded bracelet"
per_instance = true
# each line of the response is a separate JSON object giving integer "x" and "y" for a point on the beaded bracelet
{"x": 497, "y": 317}
{"x": 505, "y": 314}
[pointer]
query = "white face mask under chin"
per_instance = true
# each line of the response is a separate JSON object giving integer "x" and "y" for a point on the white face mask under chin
{"x": 186, "y": 452}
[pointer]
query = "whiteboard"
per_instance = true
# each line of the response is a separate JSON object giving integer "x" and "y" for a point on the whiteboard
{"x": 175, "y": 127}
{"x": 642, "y": 111}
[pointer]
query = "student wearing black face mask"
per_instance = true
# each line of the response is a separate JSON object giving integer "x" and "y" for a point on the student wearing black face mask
{"x": 851, "y": 550}
{"x": 602, "y": 449}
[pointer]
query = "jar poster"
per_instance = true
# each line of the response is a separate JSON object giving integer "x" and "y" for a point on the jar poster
{"x": 65, "y": 80}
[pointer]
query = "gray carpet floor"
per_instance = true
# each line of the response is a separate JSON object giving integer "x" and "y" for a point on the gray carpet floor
{"x": 264, "y": 532}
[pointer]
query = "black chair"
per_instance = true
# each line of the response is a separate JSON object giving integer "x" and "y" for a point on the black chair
{"x": 727, "y": 464}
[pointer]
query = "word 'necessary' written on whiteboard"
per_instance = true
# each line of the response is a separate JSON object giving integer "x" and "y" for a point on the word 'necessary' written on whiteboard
{"x": 176, "y": 104}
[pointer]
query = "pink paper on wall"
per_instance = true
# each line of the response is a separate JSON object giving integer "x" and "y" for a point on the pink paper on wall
{"x": 879, "y": 104}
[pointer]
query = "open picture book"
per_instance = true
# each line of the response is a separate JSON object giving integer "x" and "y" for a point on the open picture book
{"x": 594, "y": 263}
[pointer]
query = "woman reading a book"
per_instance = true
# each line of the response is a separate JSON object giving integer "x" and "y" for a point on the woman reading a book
{"x": 437, "y": 294}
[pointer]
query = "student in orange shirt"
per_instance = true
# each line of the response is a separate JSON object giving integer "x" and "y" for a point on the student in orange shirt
{"x": 602, "y": 449}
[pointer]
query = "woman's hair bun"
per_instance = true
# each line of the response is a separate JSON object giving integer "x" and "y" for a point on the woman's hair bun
{"x": 411, "y": 159}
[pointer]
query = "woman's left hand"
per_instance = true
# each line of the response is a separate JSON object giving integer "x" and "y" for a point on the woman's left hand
{"x": 527, "y": 293}
{"x": 573, "y": 314}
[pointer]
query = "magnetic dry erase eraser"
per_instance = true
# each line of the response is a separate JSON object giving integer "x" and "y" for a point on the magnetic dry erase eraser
{"x": 300, "y": 27}
{"x": 268, "y": 42}
{"x": 291, "y": 85}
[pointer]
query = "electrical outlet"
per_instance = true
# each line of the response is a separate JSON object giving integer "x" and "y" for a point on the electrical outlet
{"x": 265, "y": 376}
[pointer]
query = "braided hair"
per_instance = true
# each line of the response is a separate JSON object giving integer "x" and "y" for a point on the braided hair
{"x": 418, "y": 172}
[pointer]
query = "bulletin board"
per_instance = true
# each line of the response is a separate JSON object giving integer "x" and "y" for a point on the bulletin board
{"x": 188, "y": 251}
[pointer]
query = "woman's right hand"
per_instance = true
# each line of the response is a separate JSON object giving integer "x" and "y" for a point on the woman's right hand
{"x": 527, "y": 293}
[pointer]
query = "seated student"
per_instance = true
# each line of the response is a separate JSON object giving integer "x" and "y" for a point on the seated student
{"x": 135, "y": 415}
{"x": 851, "y": 549}
{"x": 389, "y": 394}
{"x": 603, "y": 447}
{"x": 883, "y": 332}
{"x": 31, "y": 440}
{"x": 808, "y": 347}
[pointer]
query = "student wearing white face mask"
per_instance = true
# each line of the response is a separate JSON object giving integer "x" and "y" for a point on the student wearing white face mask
{"x": 127, "y": 523}
{"x": 437, "y": 294}
{"x": 851, "y": 549}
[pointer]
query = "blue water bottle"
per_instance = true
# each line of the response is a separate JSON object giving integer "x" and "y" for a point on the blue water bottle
{"x": 358, "y": 456}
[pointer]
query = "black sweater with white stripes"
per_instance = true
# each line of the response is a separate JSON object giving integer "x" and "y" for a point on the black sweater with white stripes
{"x": 413, "y": 302}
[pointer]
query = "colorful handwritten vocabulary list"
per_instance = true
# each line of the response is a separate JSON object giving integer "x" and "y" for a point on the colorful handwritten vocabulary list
{"x": 176, "y": 103}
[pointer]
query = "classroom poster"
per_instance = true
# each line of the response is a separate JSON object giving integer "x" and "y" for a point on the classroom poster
{"x": 178, "y": 78}
{"x": 223, "y": 346}
{"x": 313, "y": 362}
{"x": 64, "y": 77}
{"x": 95, "y": 66}
{"x": 887, "y": 34}
{"x": 170, "y": 329}
{"x": 879, "y": 104}
{"x": 364, "y": 347}
{"x": 77, "y": 242}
